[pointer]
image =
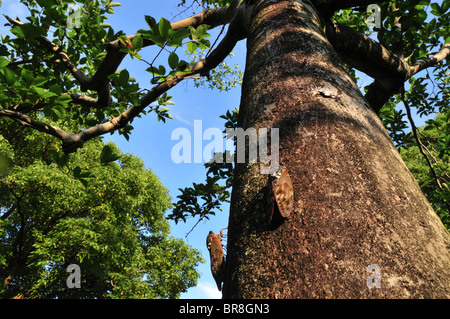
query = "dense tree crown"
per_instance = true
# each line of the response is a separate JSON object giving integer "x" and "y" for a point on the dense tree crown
{"x": 60, "y": 75}
{"x": 110, "y": 222}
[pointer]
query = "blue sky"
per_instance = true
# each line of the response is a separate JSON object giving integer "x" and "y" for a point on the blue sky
{"x": 151, "y": 140}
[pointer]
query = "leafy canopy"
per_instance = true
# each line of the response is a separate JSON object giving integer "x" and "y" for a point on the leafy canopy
{"x": 98, "y": 208}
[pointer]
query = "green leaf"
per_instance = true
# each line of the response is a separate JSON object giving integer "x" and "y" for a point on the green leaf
{"x": 435, "y": 6}
{"x": 155, "y": 38}
{"x": 173, "y": 60}
{"x": 114, "y": 165}
{"x": 421, "y": 15}
{"x": 151, "y": 22}
{"x": 18, "y": 32}
{"x": 40, "y": 80}
{"x": 436, "y": 9}
{"x": 124, "y": 40}
{"x": 3, "y": 62}
{"x": 55, "y": 88}
{"x": 63, "y": 160}
{"x": 63, "y": 99}
{"x": 107, "y": 155}
{"x": 199, "y": 33}
{"x": 10, "y": 76}
{"x": 163, "y": 27}
{"x": 445, "y": 5}
{"x": 84, "y": 182}
{"x": 27, "y": 75}
{"x": 177, "y": 37}
{"x": 76, "y": 172}
{"x": 43, "y": 94}
{"x": 58, "y": 110}
{"x": 137, "y": 43}
{"x": 123, "y": 77}
{"x": 161, "y": 70}
{"x": 191, "y": 46}
{"x": 204, "y": 44}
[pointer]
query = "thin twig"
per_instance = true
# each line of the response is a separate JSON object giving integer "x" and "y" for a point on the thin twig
{"x": 215, "y": 42}
{"x": 416, "y": 137}
{"x": 420, "y": 145}
{"x": 209, "y": 207}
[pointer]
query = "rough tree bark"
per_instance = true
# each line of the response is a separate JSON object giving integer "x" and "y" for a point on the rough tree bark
{"x": 355, "y": 202}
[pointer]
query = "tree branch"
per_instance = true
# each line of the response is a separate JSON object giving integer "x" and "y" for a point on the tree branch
{"x": 438, "y": 57}
{"x": 84, "y": 100}
{"x": 9, "y": 212}
{"x": 114, "y": 56}
{"x": 365, "y": 54}
{"x": 380, "y": 91}
{"x": 37, "y": 125}
{"x": 389, "y": 70}
{"x": 236, "y": 32}
{"x": 71, "y": 142}
{"x": 100, "y": 82}
{"x": 75, "y": 141}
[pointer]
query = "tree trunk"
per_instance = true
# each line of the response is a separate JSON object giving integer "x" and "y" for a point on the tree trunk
{"x": 357, "y": 208}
